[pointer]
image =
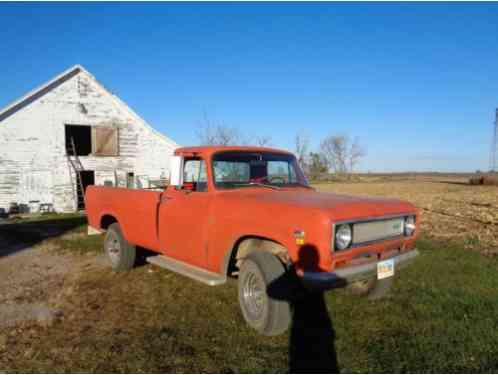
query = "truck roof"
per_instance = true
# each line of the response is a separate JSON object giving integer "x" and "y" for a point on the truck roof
{"x": 209, "y": 150}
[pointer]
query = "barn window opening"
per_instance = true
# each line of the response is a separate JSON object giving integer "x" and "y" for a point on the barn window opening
{"x": 78, "y": 140}
{"x": 84, "y": 140}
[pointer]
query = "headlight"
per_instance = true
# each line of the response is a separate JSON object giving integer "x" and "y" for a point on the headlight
{"x": 409, "y": 225}
{"x": 343, "y": 236}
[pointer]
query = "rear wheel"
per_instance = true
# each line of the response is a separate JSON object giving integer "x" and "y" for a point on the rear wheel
{"x": 266, "y": 314}
{"x": 120, "y": 253}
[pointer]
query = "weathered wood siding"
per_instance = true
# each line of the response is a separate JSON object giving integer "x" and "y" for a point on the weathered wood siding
{"x": 33, "y": 161}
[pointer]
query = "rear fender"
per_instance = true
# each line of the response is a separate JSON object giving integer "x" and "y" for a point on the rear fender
{"x": 103, "y": 215}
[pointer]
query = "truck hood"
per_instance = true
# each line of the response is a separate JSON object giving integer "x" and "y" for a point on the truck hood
{"x": 335, "y": 206}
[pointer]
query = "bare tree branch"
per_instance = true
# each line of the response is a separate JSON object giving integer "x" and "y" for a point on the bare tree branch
{"x": 301, "y": 149}
{"x": 263, "y": 141}
{"x": 316, "y": 165}
{"x": 333, "y": 150}
{"x": 356, "y": 152}
{"x": 218, "y": 133}
{"x": 340, "y": 154}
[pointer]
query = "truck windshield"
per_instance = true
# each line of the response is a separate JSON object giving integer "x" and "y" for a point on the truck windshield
{"x": 239, "y": 169}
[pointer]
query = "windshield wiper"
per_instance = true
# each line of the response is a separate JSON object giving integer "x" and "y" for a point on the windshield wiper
{"x": 258, "y": 184}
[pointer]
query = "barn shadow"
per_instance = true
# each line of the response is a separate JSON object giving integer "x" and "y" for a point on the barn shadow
{"x": 312, "y": 336}
{"x": 20, "y": 235}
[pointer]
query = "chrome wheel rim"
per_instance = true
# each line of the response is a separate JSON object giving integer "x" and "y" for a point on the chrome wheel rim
{"x": 253, "y": 293}
{"x": 113, "y": 248}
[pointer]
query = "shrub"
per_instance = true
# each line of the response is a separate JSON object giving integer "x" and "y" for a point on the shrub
{"x": 487, "y": 179}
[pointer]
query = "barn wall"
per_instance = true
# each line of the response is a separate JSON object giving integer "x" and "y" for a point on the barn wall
{"x": 33, "y": 161}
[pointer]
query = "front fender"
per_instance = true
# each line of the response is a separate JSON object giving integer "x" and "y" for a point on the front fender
{"x": 303, "y": 255}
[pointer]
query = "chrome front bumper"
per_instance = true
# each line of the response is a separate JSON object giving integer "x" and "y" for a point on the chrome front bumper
{"x": 347, "y": 275}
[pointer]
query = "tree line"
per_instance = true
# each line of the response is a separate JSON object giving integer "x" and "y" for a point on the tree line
{"x": 337, "y": 153}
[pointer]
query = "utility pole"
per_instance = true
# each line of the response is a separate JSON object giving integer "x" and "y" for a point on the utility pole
{"x": 494, "y": 146}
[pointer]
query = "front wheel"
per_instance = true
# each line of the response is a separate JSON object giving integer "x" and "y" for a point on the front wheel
{"x": 269, "y": 316}
{"x": 120, "y": 253}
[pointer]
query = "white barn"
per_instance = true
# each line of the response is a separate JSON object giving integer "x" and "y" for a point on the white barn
{"x": 40, "y": 167}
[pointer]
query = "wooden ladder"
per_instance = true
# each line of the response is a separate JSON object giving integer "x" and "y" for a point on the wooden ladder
{"x": 75, "y": 162}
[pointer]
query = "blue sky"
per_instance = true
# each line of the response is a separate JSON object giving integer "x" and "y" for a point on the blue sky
{"x": 417, "y": 82}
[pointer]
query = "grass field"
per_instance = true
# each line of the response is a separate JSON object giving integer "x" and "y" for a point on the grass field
{"x": 440, "y": 317}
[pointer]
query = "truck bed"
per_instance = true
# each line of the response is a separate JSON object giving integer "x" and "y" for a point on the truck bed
{"x": 135, "y": 209}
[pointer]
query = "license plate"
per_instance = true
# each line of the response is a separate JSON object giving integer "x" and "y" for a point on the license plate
{"x": 385, "y": 269}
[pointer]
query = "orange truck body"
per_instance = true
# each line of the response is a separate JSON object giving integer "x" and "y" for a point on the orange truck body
{"x": 203, "y": 229}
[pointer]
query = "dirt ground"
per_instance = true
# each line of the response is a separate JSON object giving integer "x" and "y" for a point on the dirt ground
{"x": 451, "y": 209}
{"x": 35, "y": 281}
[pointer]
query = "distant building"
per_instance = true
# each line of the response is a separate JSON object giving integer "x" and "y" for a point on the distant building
{"x": 39, "y": 166}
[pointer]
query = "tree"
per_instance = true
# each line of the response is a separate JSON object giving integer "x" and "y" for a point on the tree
{"x": 218, "y": 133}
{"x": 356, "y": 152}
{"x": 316, "y": 165}
{"x": 301, "y": 149}
{"x": 341, "y": 155}
{"x": 333, "y": 151}
{"x": 263, "y": 141}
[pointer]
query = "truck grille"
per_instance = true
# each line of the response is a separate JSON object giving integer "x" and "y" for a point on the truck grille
{"x": 377, "y": 230}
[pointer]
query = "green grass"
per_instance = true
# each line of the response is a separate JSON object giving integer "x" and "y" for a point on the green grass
{"x": 441, "y": 317}
{"x": 80, "y": 243}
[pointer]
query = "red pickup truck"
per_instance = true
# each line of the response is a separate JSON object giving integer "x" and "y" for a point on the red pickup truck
{"x": 249, "y": 212}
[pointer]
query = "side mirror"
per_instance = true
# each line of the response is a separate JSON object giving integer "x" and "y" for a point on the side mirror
{"x": 176, "y": 170}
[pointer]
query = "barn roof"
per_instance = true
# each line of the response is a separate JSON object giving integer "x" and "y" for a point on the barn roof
{"x": 38, "y": 92}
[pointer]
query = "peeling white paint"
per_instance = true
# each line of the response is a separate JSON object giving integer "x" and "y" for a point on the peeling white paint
{"x": 33, "y": 161}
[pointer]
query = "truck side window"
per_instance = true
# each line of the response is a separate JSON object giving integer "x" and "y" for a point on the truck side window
{"x": 226, "y": 171}
{"x": 281, "y": 171}
{"x": 194, "y": 173}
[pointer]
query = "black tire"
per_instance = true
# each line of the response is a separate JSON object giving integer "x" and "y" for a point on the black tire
{"x": 120, "y": 254}
{"x": 266, "y": 314}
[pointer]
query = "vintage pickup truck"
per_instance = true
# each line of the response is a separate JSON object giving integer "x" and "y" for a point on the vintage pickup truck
{"x": 249, "y": 212}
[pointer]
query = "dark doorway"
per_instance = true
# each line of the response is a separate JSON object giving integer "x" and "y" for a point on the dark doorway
{"x": 130, "y": 180}
{"x": 87, "y": 178}
{"x": 82, "y": 137}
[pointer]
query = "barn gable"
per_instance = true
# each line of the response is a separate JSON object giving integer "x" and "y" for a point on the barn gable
{"x": 113, "y": 144}
{"x": 83, "y": 86}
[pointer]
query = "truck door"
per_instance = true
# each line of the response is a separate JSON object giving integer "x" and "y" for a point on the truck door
{"x": 184, "y": 216}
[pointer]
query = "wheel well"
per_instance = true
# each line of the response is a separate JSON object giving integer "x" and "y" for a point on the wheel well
{"x": 106, "y": 221}
{"x": 245, "y": 245}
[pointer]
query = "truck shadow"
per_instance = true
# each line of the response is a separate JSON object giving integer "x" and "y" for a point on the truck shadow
{"x": 312, "y": 336}
{"x": 20, "y": 236}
